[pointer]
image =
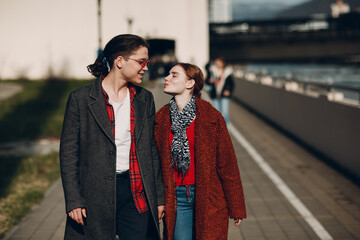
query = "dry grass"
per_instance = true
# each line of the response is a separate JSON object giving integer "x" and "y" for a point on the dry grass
{"x": 29, "y": 180}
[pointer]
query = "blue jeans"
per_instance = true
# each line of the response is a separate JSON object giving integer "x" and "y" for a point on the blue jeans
{"x": 184, "y": 214}
{"x": 222, "y": 105}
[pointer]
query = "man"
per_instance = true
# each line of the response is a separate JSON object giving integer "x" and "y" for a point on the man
{"x": 110, "y": 166}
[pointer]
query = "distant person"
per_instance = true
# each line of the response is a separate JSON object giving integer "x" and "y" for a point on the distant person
{"x": 110, "y": 167}
{"x": 220, "y": 86}
{"x": 154, "y": 70}
{"x": 339, "y": 8}
{"x": 208, "y": 75}
{"x": 201, "y": 176}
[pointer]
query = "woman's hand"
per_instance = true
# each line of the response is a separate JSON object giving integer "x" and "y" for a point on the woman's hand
{"x": 161, "y": 212}
{"x": 237, "y": 222}
{"x": 226, "y": 93}
{"x": 77, "y": 215}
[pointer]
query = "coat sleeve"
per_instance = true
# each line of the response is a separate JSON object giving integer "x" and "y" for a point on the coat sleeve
{"x": 229, "y": 174}
{"x": 69, "y": 156}
{"x": 230, "y": 85}
{"x": 156, "y": 157}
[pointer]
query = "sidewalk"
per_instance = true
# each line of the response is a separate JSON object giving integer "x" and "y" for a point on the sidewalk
{"x": 45, "y": 221}
{"x": 332, "y": 199}
{"x": 9, "y": 89}
{"x": 30, "y": 148}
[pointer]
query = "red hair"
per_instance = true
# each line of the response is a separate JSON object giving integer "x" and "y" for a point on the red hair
{"x": 194, "y": 72}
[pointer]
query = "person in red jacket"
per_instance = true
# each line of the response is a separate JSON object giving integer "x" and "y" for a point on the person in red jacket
{"x": 201, "y": 176}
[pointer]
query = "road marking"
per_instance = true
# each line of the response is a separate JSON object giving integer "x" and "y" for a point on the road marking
{"x": 281, "y": 185}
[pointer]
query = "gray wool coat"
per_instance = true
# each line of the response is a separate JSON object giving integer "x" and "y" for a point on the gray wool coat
{"x": 88, "y": 161}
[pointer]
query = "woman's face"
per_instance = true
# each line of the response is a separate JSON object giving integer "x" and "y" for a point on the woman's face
{"x": 177, "y": 82}
{"x": 219, "y": 63}
{"x": 134, "y": 67}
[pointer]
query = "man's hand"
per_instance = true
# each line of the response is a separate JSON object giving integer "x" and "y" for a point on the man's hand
{"x": 77, "y": 215}
{"x": 161, "y": 211}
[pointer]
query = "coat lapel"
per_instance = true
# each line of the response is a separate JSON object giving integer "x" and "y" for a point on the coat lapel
{"x": 162, "y": 131}
{"x": 98, "y": 110}
{"x": 204, "y": 127}
{"x": 165, "y": 131}
{"x": 140, "y": 113}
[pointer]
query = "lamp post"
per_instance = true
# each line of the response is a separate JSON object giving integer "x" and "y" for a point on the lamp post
{"x": 99, "y": 27}
{"x": 129, "y": 21}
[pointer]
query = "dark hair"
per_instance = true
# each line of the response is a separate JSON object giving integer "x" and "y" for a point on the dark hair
{"x": 121, "y": 45}
{"x": 221, "y": 58}
{"x": 194, "y": 72}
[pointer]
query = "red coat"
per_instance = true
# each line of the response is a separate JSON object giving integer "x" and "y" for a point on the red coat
{"x": 218, "y": 187}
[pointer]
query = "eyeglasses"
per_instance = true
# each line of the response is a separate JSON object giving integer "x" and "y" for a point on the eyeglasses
{"x": 143, "y": 63}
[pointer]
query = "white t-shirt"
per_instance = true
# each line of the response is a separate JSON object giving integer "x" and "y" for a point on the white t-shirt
{"x": 122, "y": 132}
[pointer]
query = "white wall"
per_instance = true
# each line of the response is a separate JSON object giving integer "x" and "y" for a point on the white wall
{"x": 63, "y": 34}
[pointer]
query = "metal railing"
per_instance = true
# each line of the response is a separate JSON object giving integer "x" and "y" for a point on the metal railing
{"x": 309, "y": 86}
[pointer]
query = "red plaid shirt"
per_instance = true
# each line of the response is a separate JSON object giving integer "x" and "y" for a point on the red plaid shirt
{"x": 137, "y": 187}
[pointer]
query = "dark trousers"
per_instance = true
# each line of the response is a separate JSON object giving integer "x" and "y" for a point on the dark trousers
{"x": 130, "y": 225}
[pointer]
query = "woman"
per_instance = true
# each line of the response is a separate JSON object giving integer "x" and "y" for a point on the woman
{"x": 221, "y": 85}
{"x": 201, "y": 175}
{"x": 110, "y": 166}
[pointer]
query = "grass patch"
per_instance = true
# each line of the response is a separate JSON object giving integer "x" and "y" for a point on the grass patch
{"x": 23, "y": 182}
{"x": 37, "y": 111}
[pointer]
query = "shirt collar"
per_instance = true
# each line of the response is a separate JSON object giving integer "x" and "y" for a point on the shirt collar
{"x": 132, "y": 91}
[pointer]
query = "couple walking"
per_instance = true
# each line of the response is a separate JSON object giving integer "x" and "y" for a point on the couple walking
{"x": 125, "y": 168}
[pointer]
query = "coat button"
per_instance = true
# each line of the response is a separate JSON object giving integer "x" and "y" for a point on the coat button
{"x": 111, "y": 202}
{"x": 111, "y": 152}
{"x": 110, "y": 178}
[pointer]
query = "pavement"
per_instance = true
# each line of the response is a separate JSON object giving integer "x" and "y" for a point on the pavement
{"x": 290, "y": 193}
{"x": 30, "y": 148}
{"x": 8, "y": 89}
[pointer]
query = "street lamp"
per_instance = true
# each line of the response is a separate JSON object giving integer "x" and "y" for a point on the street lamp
{"x": 99, "y": 27}
{"x": 129, "y": 21}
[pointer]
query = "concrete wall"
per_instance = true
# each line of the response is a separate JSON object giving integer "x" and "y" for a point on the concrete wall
{"x": 62, "y": 35}
{"x": 331, "y": 128}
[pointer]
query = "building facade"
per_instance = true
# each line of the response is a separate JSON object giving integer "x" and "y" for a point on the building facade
{"x": 60, "y": 37}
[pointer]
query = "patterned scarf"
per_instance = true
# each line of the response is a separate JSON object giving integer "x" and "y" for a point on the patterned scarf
{"x": 180, "y": 121}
